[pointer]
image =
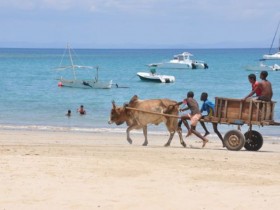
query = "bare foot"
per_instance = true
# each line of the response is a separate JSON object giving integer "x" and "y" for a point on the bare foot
{"x": 207, "y": 133}
{"x": 204, "y": 143}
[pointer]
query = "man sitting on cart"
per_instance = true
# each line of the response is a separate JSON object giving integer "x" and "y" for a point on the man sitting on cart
{"x": 253, "y": 80}
{"x": 265, "y": 87}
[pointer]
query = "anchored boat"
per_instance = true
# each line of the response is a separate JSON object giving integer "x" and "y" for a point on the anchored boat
{"x": 276, "y": 55}
{"x": 182, "y": 61}
{"x": 152, "y": 76}
{"x": 76, "y": 82}
{"x": 147, "y": 76}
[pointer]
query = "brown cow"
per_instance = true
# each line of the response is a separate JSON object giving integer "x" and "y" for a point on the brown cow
{"x": 137, "y": 119}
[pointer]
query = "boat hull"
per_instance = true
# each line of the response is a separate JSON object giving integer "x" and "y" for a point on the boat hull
{"x": 175, "y": 66}
{"x": 275, "y": 56}
{"x": 258, "y": 68}
{"x": 88, "y": 84}
{"x": 274, "y": 67}
{"x": 181, "y": 65}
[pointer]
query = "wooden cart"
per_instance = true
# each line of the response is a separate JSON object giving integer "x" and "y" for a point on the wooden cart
{"x": 239, "y": 112}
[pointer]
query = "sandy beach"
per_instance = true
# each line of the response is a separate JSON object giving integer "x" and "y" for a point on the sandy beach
{"x": 72, "y": 170}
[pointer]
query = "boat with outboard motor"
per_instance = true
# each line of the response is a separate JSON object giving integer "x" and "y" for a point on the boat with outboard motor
{"x": 149, "y": 77}
{"x": 152, "y": 76}
{"x": 182, "y": 61}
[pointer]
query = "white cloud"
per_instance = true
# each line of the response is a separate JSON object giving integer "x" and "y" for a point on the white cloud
{"x": 24, "y": 4}
{"x": 59, "y": 4}
{"x": 73, "y": 4}
{"x": 228, "y": 9}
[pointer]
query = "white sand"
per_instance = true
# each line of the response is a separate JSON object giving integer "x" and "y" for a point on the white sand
{"x": 63, "y": 170}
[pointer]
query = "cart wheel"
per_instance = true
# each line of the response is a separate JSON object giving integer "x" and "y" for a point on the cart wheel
{"x": 254, "y": 140}
{"x": 234, "y": 140}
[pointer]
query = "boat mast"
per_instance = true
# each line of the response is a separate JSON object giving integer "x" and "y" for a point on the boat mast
{"x": 279, "y": 44}
{"x": 72, "y": 64}
{"x": 274, "y": 38}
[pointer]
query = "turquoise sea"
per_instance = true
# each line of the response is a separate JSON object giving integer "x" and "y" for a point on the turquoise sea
{"x": 31, "y": 99}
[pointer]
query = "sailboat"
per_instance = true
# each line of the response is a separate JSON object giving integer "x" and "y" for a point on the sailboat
{"x": 276, "y": 55}
{"x": 76, "y": 82}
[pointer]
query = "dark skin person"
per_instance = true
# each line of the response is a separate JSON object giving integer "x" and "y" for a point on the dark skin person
{"x": 203, "y": 98}
{"x": 192, "y": 105}
{"x": 265, "y": 86}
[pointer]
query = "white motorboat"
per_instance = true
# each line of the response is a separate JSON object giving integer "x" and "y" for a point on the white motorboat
{"x": 153, "y": 77}
{"x": 275, "y": 56}
{"x": 75, "y": 82}
{"x": 182, "y": 61}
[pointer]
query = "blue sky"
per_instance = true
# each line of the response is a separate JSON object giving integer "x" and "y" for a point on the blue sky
{"x": 138, "y": 23}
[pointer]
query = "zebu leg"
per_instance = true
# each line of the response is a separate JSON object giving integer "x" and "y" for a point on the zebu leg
{"x": 171, "y": 134}
{"x": 131, "y": 127}
{"x": 172, "y": 126}
{"x": 169, "y": 125}
{"x": 179, "y": 131}
{"x": 127, "y": 135}
{"x": 145, "y": 132}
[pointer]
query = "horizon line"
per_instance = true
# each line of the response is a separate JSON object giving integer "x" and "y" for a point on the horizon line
{"x": 135, "y": 48}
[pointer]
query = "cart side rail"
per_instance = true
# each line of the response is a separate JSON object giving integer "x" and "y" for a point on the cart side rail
{"x": 239, "y": 112}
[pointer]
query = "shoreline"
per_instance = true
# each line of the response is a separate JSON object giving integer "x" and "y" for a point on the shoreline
{"x": 152, "y": 129}
{"x": 82, "y": 170}
{"x": 114, "y": 133}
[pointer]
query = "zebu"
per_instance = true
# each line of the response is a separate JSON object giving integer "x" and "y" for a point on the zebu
{"x": 140, "y": 119}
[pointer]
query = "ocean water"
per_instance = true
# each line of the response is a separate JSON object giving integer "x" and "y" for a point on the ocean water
{"x": 31, "y": 99}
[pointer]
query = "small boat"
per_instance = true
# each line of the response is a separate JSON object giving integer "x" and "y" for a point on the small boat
{"x": 182, "y": 61}
{"x": 260, "y": 67}
{"x": 276, "y": 55}
{"x": 75, "y": 82}
{"x": 152, "y": 76}
{"x": 147, "y": 76}
{"x": 263, "y": 67}
{"x": 276, "y": 67}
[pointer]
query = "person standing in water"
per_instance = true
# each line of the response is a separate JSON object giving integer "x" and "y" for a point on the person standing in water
{"x": 68, "y": 114}
{"x": 81, "y": 110}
